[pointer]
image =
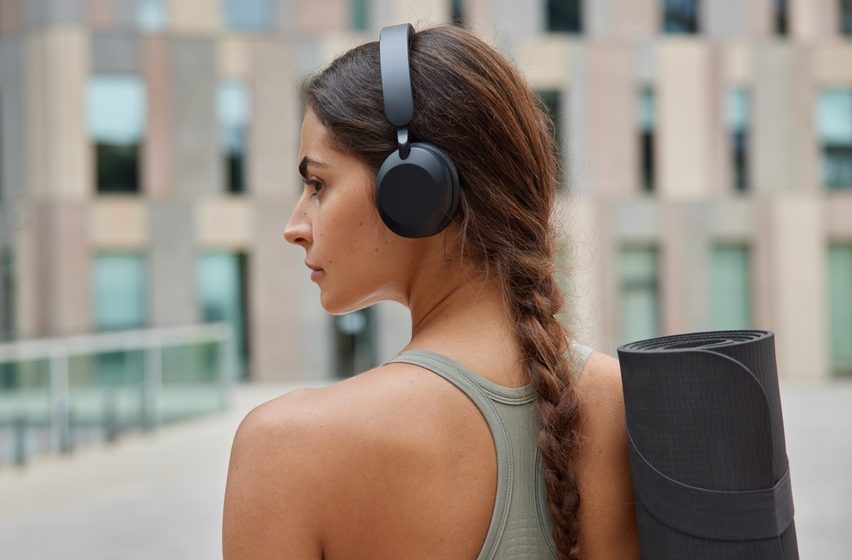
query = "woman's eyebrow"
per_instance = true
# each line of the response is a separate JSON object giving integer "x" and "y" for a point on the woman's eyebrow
{"x": 303, "y": 165}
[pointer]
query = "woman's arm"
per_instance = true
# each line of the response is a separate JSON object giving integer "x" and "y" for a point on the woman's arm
{"x": 272, "y": 496}
{"x": 607, "y": 517}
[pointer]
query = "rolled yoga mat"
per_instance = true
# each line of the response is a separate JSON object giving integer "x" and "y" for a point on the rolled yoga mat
{"x": 707, "y": 450}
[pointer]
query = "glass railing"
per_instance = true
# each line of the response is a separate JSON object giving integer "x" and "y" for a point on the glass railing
{"x": 59, "y": 394}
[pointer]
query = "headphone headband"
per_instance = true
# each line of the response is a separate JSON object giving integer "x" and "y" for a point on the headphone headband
{"x": 396, "y": 79}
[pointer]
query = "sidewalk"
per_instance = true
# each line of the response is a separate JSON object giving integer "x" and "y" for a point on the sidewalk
{"x": 160, "y": 495}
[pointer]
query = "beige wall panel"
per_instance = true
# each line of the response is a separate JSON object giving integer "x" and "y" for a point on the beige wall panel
{"x": 335, "y": 45}
{"x": 63, "y": 284}
{"x": 420, "y": 12}
{"x": 234, "y": 57}
{"x": 157, "y": 148}
{"x": 118, "y": 223}
{"x": 194, "y": 16}
{"x": 684, "y": 268}
{"x": 59, "y": 150}
{"x": 636, "y": 19}
{"x": 544, "y": 60}
{"x": 614, "y": 146}
{"x": 322, "y": 16}
{"x": 25, "y": 238}
{"x": 579, "y": 226}
{"x": 799, "y": 282}
{"x": 838, "y": 212}
{"x": 809, "y": 19}
{"x": 224, "y": 223}
{"x": 608, "y": 249}
{"x": 273, "y": 134}
{"x": 731, "y": 218}
{"x": 684, "y": 127}
{"x": 737, "y": 63}
{"x": 833, "y": 64}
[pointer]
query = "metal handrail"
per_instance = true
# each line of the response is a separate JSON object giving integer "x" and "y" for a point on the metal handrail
{"x": 58, "y": 352}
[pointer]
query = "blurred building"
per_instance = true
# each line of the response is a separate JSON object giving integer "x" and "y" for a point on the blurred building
{"x": 148, "y": 167}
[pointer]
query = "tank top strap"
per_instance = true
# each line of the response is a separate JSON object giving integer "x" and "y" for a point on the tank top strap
{"x": 470, "y": 384}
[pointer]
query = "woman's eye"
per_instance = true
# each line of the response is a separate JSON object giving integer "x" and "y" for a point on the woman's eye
{"x": 314, "y": 184}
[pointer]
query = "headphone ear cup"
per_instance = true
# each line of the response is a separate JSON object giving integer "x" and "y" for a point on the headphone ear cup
{"x": 417, "y": 196}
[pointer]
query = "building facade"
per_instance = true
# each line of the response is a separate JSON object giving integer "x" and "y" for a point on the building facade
{"x": 148, "y": 168}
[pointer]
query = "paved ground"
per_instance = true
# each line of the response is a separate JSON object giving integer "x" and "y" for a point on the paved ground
{"x": 160, "y": 496}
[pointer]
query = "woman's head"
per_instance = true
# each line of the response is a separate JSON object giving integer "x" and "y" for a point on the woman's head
{"x": 474, "y": 105}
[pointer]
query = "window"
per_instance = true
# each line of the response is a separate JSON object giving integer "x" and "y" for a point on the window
{"x": 738, "y": 112}
{"x": 221, "y": 288}
{"x": 248, "y": 15}
{"x": 834, "y": 122}
{"x": 150, "y": 14}
{"x": 360, "y": 14}
{"x": 730, "y": 298}
{"x": 646, "y": 116}
{"x": 840, "y": 306}
{"x": 355, "y": 342}
{"x": 565, "y": 16}
{"x": 7, "y": 293}
{"x": 116, "y": 122}
{"x": 457, "y": 12}
{"x": 845, "y": 10}
{"x": 119, "y": 291}
{"x": 639, "y": 293}
{"x": 551, "y": 101}
{"x": 234, "y": 110}
{"x": 782, "y": 21}
{"x": 680, "y": 16}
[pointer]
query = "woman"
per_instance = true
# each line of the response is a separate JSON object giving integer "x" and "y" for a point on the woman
{"x": 492, "y": 434}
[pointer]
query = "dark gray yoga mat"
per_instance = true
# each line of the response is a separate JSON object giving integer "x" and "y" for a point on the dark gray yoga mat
{"x": 707, "y": 449}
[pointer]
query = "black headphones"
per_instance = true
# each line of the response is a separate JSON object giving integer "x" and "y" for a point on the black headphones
{"x": 417, "y": 186}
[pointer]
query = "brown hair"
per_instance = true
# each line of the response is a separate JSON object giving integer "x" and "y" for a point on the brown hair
{"x": 471, "y": 102}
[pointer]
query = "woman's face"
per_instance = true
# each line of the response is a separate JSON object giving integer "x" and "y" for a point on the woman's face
{"x": 356, "y": 259}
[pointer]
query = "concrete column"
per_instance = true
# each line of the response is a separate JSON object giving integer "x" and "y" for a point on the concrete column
{"x": 194, "y": 16}
{"x": 727, "y": 19}
{"x": 797, "y": 258}
{"x": 579, "y": 102}
{"x": 275, "y": 125}
{"x": 197, "y": 165}
{"x": 157, "y": 182}
{"x": 322, "y": 16}
{"x": 59, "y": 152}
{"x": 684, "y": 267}
{"x": 172, "y": 263}
{"x": 62, "y": 270}
{"x": 614, "y": 142}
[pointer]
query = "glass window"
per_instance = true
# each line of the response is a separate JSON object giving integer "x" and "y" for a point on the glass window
{"x": 234, "y": 111}
{"x": 355, "y": 342}
{"x": 639, "y": 293}
{"x": 840, "y": 306}
{"x": 782, "y": 22}
{"x": 151, "y": 14}
{"x": 845, "y": 10}
{"x": 457, "y": 12}
{"x": 7, "y": 294}
{"x": 222, "y": 296}
{"x": 565, "y": 16}
{"x": 360, "y": 14}
{"x": 646, "y": 117}
{"x": 680, "y": 16}
{"x": 248, "y": 15}
{"x": 738, "y": 112}
{"x": 119, "y": 290}
{"x": 116, "y": 122}
{"x": 552, "y": 102}
{"x": 834, "y": 122}
{"x": 730, "y": 298}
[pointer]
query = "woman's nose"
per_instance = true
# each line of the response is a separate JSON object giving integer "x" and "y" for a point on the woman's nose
{"x": 298, "y": 230}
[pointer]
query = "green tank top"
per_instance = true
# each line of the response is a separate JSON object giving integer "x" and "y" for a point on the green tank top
{"x": 520, "y": 524}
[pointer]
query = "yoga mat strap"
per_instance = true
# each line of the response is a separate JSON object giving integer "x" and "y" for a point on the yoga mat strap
{"x": 712, "y": 514}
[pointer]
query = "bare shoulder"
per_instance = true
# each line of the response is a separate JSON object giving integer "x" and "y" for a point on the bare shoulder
{"x": 295, "y": 457}
{"x": 607, "y": 516}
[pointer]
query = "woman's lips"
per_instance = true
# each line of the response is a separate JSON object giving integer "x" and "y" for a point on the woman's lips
{"x": 316, "y": 271}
